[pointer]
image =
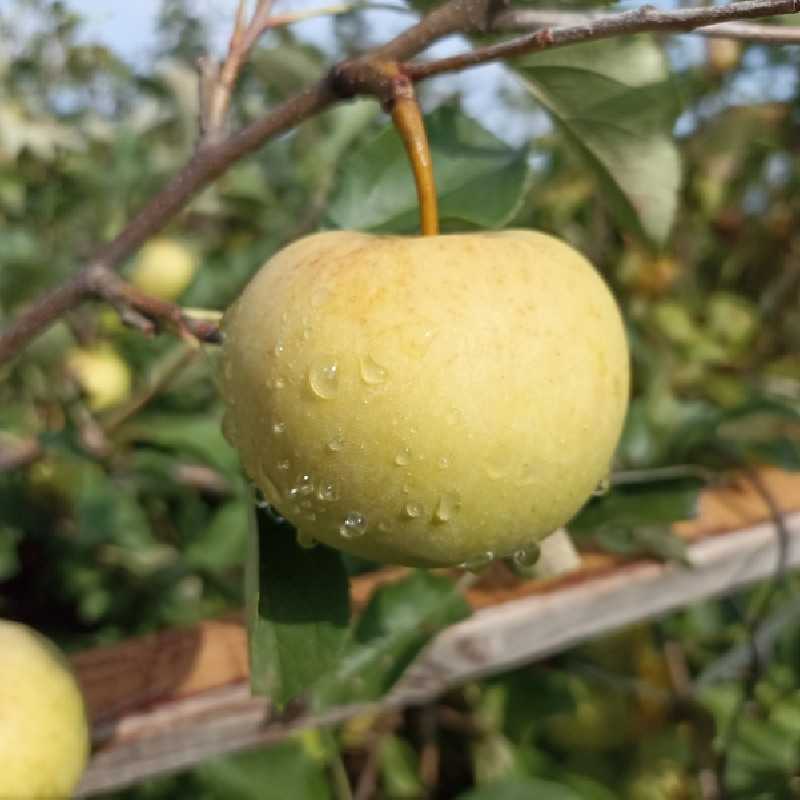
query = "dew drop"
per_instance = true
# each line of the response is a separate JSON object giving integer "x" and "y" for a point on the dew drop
{"x": 604, "y": 487}
{"x": 413, "y": 510}
{"x": 328, "y": 491}
{"x": 283, "y": 465}
{"x": 526, "y": 556}
{"x": 443, "y": 462}
{"x": 279, "y": 348}
{"x": 495, "y": 470}
{"x": 448, "y": 505}
{"x": 403, "y": 458}
{"x": 372, "y": 372}
{"x": 336, "y": 444}
{"x": 305, "y": 540}
{"x": 303, "y": 486}
{"x": 354, "y": 525}
{"x": 278, "y": 383}
{"x": 323, "y": 378}
{"x": 278, "y": 428}
{"x": 479, "y": 562}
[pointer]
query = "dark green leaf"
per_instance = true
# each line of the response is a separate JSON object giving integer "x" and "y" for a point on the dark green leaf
{"x": 298, "y": 610}
{"x": 397, "y": 623}
{"x": 480, "y": 181}
{"x": 612, "y": 100}
{"x": 199, "y": 436}
{"x": 283, "y": 771}
{"x": 648, "y": 504}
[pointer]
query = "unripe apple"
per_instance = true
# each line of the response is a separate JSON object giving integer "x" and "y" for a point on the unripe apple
{"x": 102, "y": 373}
{"x": 164, "y": 268}
{"x": 428, "y": 400}
{"x": 44, "y": 738}
{"x": 723, "y": 55}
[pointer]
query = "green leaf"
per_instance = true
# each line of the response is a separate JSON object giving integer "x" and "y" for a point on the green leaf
{"x": 283, "y": 771}
{"x": 612, "y": 100}
{"x": 199, "y": 435}
{"x": 648, "y": 504}
{"x": 636, "y": 519}
{"x": 521, "y": 789}
{"x": 221, "y": 545}
{"x": 399, "y": 767}
{"x": 396, "y": 624}
{"x": 480, "y": 181}
{"x": 298, "y": 609}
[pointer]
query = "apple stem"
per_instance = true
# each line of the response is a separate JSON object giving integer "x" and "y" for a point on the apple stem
{"x": 408, "y": 120}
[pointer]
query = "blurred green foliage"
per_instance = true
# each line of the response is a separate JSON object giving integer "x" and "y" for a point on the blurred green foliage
{"x": 135, "y": 518}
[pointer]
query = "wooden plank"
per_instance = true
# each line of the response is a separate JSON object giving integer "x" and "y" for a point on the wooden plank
{"x": 169, "y": 701}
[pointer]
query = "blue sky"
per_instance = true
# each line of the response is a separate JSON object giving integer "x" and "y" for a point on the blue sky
{"x": 129, "y": 28}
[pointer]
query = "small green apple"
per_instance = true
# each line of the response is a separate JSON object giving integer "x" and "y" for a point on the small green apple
{"x": 44, "y": 738}
{"x": 164, "y": 268}
{"x": 428, "y": 400}
{"x": 102, "y": 373}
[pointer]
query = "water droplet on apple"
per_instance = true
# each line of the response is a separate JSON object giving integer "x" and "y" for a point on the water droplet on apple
{"x": 323, "y": 378}
{"x": 495, "y": 471}
{"x": 479, "y": 562}
{"x": 279, "y": 348}
{"x": 278, "y": 428}
{"x": 278, "y": 383}
{"x": 327, "y": 491}
{"x": 443, "y": 462}
{"x": 526, "y": 556}
{"x": 448, "y": 505}
{"x": 403, "y": 458}
{"x": 354, "y": 525}
{"x": 604, "y": 487}
{"x": 284, "y": 464}
{"x": 336, "y": 444}
{"x": 413, "y": 510}
{"x": 303, "y": 486}
{"x": 371, "y": 371}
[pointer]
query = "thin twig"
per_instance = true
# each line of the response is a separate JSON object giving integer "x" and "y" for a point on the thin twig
{"x": 525, "y": 19}
{"x": 640, "y": 20}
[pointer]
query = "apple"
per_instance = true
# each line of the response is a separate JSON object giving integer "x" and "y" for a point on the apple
{"x": 102, "y": 373}
{"x": 44, "y": 735}
{"x": 429, "y": 400}
{"x": 164, "y": 268}
{"x": 723, "y": 55}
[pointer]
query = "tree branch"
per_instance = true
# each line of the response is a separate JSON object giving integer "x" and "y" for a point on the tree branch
{"x": 526, "y": 19}
{"x": 212, "y": 159}
{"x": 640, "y": 20}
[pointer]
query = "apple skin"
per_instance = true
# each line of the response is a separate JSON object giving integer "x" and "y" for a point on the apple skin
{"x": 426, "y": 401}
{"x": 44, "y": 735}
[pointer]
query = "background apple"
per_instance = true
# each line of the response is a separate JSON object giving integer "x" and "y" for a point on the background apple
{"x": 44, "y": 739}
